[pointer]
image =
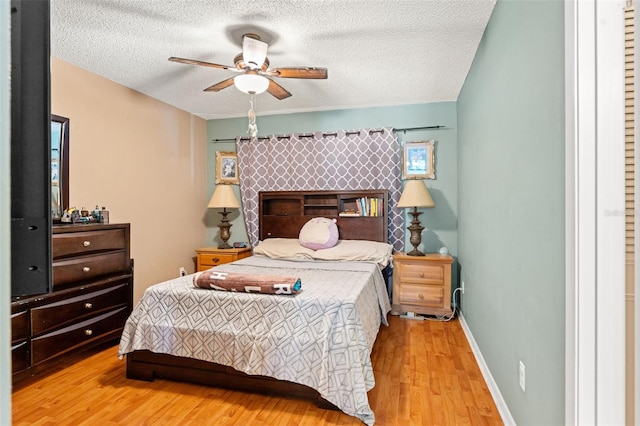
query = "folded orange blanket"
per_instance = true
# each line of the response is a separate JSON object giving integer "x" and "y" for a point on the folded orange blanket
{"x": 249, "y": 283}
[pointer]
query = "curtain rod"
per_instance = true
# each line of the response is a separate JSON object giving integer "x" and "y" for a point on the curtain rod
{"x": 403, "y": 130}
{"x": 410, "y": 129}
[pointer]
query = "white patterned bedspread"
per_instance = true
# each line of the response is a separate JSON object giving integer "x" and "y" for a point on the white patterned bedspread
{"x": 322, "y": 337}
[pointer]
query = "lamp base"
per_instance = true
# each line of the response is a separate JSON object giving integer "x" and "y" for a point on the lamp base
{"x": 224, "y": 245}
{"x": 224, "y": 226}
{"x": 416, "y": 233}
{"x": 415, "y": 252}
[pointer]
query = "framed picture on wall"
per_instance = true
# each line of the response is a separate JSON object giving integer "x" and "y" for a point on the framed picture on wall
{"x": 227, "y": 168}
{"x": 418, "y": 160}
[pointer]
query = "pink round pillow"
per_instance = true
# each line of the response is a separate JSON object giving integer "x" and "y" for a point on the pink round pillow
{"x": 319, "y": 233}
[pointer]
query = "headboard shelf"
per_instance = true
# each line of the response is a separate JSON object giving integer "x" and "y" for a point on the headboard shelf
{"x": 283, "y": 213}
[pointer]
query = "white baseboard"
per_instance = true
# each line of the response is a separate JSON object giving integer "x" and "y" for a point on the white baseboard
{"x": 505, "y": 414}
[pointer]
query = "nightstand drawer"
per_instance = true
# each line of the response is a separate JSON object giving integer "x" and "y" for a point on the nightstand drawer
{"x": 208, "y": 257}
{"x": 422, "y": 295}
{"x": 216, "y": 259}
{"x": 421, "y": 273}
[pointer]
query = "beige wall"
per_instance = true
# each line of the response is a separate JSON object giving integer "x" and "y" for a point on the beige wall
{"x": 144, "y": 160}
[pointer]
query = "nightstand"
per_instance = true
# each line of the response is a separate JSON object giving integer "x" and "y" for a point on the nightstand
{"x": 208, "y": 257}
{"x": 422, "y": 284}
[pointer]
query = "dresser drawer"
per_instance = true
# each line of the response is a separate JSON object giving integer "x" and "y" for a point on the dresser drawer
{"x": 58, "y": 314}
{"x": 421, "y": 273}
{"x": 78, "y": 243}
{"x": 19, "y": 357}
{"x": 422, "y": 295}
{"x": 88, "y": 267}
{"x": 68, "y": 338}
{"x": 19, "y": 326}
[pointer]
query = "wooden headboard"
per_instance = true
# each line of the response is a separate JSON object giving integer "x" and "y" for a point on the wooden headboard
{"x": 284, "y": 213}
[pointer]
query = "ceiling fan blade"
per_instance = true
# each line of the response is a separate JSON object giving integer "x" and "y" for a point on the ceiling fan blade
{"x": 278, "y": 91}
{"x": 201, "y": 63}
{"x": 301, "y": 72}
{"x": 254, "y": 51}
{"x": 219, "y": 86}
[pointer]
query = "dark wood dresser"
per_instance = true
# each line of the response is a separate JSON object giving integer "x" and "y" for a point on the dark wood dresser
{"x": 91, "y": 299}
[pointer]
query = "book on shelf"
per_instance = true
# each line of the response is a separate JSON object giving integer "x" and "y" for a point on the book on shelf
{"x": 370, "y": 206}
{"x": 359, "y": 206}
{"x": 349, "y": 213}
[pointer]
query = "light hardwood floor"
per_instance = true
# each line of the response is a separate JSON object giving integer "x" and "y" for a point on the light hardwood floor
{"x": 425, "y": 375}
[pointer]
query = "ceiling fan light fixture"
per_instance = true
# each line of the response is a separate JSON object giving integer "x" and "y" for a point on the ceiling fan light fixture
{"x": 251, "y": 83}
{"x": 254, "y": 51}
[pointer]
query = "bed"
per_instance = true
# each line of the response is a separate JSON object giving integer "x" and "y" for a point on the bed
{"x": 315, "y": 344}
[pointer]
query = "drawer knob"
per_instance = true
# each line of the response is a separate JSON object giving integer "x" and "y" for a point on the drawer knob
{"x": 86, "y": 269}
{"x": 88, "y": 305}
{"x": 86, "y": 243}
{"x": 421, "y": 274}
{"x": 216, "y": 260}
{"x": 421, "y": 296}
{"x": 88, "y": 332}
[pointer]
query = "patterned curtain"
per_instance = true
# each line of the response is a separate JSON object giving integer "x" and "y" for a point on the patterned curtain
{"x": 342, "y": 160}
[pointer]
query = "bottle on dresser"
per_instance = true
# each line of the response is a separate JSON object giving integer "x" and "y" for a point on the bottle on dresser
{"x": 104, "y": 215}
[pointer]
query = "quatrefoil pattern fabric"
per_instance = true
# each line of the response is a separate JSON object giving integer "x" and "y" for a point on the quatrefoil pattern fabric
{"x": 341, "y": 160}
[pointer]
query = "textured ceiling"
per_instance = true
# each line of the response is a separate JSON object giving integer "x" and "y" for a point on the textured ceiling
{"x": 378, "y": 52}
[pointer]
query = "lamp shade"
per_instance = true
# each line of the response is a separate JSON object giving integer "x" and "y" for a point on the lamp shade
{"x": 224, "y": 197}
{"x": 415, "y": 194}
{"x": 251, "y": 83}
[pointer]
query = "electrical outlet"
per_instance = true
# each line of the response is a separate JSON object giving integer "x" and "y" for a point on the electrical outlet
{"x": 182, "y": 271}
{"x": 522, "y": 376}
{"x": 462, "y": 287}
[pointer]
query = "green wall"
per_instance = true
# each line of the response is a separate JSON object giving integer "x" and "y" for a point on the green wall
{"x": 441, "y": 220}
{"x": 511, "y": 205}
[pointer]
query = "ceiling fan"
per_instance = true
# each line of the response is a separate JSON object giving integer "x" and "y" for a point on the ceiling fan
{"x": 255, "y": 75}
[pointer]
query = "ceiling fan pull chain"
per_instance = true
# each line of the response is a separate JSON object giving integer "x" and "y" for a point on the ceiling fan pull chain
{"x": 253, "y": 127}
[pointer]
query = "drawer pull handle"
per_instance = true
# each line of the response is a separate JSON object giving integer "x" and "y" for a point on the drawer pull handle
{"x": 88, "y": 305}
{"x": 86, "y": 269}
{"x": 421, "y": 274}
{"x": 86, "y": 243}
{"x": 421, "y": 296}
{"x": 215, "y": 260}
{"x": 88, "y": 332}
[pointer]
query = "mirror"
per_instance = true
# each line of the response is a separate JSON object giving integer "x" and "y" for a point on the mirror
{"x": 59, "y": 165}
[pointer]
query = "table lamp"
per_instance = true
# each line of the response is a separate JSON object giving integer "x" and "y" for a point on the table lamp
{"x": 415, "y": 194}
{"x": 224, "y": 197}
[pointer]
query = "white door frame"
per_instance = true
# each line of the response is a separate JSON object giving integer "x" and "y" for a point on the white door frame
{"x": 636, "y": 23}
{"x": 595, "y": 210}
{"x": 5, "y": 212}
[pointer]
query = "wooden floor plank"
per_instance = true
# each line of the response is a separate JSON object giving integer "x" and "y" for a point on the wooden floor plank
{"x": 425, "y": 375}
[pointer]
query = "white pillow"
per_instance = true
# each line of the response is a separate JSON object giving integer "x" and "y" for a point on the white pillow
{"x": 319, "y": 233}
{"x": 357, "y": 250}
{"x": 283, "y": 248}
